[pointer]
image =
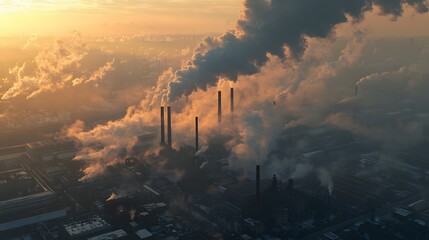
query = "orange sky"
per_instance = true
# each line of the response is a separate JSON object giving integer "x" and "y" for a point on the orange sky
{"x": 118, "y": 17}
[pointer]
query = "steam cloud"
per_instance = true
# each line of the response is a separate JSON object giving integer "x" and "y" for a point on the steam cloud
{"x": 275, "y": 53}
{"x": 56, "y": 67}
{"x": 326, "y": 180}
{"x": 268, "y": 27}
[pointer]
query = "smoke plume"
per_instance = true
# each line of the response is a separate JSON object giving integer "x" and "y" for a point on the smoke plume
{"x": 56, "y": 67}
{"x": 268, "y": 27}
{"x": 281, "y": 60}
{"x": 326, "y": 180}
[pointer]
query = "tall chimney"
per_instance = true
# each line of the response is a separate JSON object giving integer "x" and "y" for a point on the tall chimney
{"x": 219, "y": 107}
{"x": 196, "y": 134}
{"x": 232, "y": 103}
{"x": 258, "y": 183}
{"x": 162, "y": 127}
{"x": 356, "y": 90}
{"x": 169, "y": 125}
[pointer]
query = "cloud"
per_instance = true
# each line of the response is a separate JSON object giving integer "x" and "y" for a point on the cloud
{"x": 394, "y": 7}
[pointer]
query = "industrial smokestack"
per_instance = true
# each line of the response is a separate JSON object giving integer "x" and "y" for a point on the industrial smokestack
{"x": 219, "y": 107}
{"x": 162, "y": 127}
{"x": 258, "y": 184}
{"x": 196, "y": 134}
{"x": 356, "y": 90}
{"x": 169, "y": 125}
{"x": 232, "y": 103}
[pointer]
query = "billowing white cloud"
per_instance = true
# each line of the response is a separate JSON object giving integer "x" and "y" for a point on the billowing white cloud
{"x": 284, "y": 79}
{"x": 57, "y": 66}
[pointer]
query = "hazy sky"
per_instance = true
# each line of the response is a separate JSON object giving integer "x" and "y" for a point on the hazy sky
{"x": 116, "y": 17}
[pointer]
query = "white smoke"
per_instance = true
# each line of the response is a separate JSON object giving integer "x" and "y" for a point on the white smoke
{"x": 203, "y": 164}
{"x": 326, "y": 179}
{"x": 57, "y": 66}
{"x": 30, "y": 41}
{"x": 296, "y": 70}
{"x": 112, "y": 197}
{"x": 201, "y": 151}
{"x": 97, "y": 75}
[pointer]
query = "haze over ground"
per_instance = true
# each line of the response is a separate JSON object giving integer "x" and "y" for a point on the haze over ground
{"x": 104, "y": 57}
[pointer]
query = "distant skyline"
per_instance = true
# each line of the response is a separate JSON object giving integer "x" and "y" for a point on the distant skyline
{"x": 127, "y": 17}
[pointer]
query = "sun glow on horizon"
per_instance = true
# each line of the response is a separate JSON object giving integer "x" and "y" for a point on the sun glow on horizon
{"x": 129, "y": 17}
{"x": 49, "y": 17}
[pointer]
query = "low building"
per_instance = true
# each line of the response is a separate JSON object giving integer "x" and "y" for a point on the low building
{"x": 144, "y": 234}
{"x": 21, "y": 192}
{"x": 51, "y": 149}
{"x": 84, "y": 226}
{"x": 26, "y": 200}
{"x": 114, "y": 235}
{"x": 34, "y": 219}
{"x": 402, "y": 214}
{"x": 11, "y": 154}
{"x": 418, "y": 206}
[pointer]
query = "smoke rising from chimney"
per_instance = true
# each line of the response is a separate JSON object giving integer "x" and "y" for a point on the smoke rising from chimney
{"x": 326, "y": 180}
{"x": 305, "y": 90}
{"x": 268, "y": 27}
{"x": 201, "y": 151}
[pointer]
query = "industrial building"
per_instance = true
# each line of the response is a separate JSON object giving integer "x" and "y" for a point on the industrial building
{"x": 83, "y": 226}
{"x": 25, "y": 200}
{"x": 51, "y": 149}
{"x": 180, "y": 194}
{"x": 114, "y": 235}
{"x": 11, "y": 154}
{"x": 144, "y": 234}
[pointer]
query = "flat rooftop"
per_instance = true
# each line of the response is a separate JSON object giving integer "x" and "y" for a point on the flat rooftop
{"x": 18, "y": 183}
{"x": 143, "y": 234}
{"x": 85, "y": 225}
{"x": 110, "y": 235}
{"x": 48, "y": 144}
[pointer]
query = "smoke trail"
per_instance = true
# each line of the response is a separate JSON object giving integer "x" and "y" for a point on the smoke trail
{"x": 97, "y": 75}
{"x": 112, "y": 197}
{"x": 268, "y": 27}
{"x": 30, "y": 41}
{"x": 201, "y": 151}
{"x": 56, "y": 67}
